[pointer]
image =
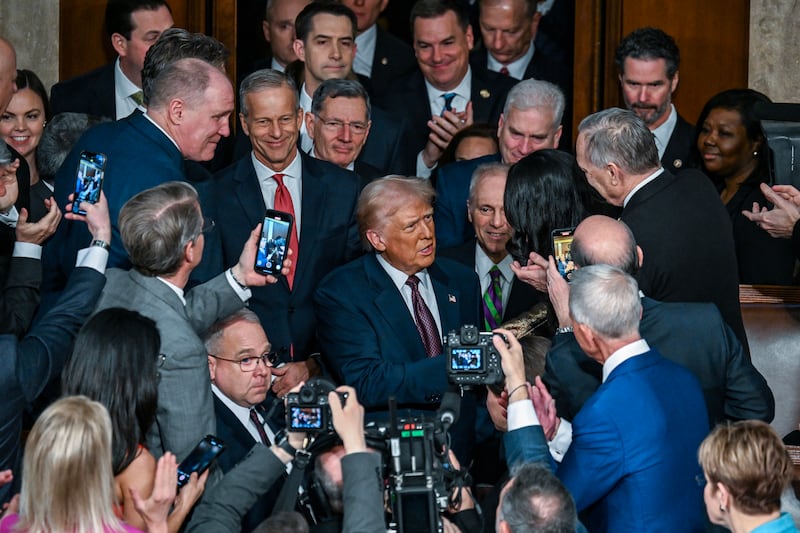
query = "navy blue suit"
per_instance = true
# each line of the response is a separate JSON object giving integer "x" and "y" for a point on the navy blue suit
{"x": 140, "y": 156}
{"x": 690, "y": 334}
{"x": 91, "y": 93}
{"x": 634, "y": 450}
{"x": 393, "y": 60}
{"x": 27, "y": 366}
{"x": 328, "y": 238}
{"x": 452, "y": 192}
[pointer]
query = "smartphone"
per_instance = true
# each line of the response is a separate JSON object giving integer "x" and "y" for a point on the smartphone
{"x": 562, "y": 246}
{"x": 274, "y": 242}
{"x": 91, "y": 168}
{"x": 206, "y": 451}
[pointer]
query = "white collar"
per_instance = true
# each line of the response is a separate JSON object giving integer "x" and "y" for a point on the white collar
{"x": 516, "y": 68}
{"x": 463, "y": 94}
{"x": 293, "y": 170}
{"x": 664, "y": 131}
{"x": 623, "y": 354}
{"x": 162, "y": 130}
{"x": 641, "y": 184}
{"x": 122, "y": 83}
{"x": 399, "y": 277}
{"x": 174, "y": 288}
{"x": 483, "y": 264}
{"x": 365, "y": 51}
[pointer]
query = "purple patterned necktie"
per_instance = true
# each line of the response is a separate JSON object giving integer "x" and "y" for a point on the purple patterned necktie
{"x": 259, "y": 427}
{"x": 424, "y": 319}
{"x": 493, "y": 301}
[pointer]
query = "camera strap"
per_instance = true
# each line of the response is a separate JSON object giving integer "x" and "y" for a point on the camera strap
{"x": 288, "y": 496}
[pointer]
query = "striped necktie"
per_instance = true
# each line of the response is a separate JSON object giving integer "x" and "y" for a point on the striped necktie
{"x": 493, "y": 301}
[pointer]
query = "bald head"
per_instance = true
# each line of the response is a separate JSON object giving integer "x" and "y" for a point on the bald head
{"x": 8, "y": 73}
{"x": 603, "y": 240}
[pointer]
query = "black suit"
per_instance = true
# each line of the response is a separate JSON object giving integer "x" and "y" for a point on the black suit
{"x": 692, "y": 335}
{"x": 676, "y": 155}
{"x": 328, "y": 238}
{"x": 91, "y": 93}
{"x": 239, "y": 441}
{"x": 488, "y": 96}
{"x": 522, "y": 296}
{"x": 393, "y": 60}
{"x": 367, "y": 172}
{"x": 685, "y": 233}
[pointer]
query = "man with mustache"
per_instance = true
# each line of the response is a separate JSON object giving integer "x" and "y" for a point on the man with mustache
{"x": 648, "y": 61}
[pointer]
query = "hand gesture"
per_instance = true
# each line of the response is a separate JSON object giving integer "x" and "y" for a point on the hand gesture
{"x": 244, "y": 272}
{"x": 348, "y": 419}
{"x": 97, "y": 218}
{"x": 41, "y": 230}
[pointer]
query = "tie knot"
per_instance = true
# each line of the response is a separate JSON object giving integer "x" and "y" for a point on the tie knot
{"x": 138, "y": 97}
{"x": 254, "y": 415}
{"x": 448, "y": 101}
{"x": 413, "y": 282}
{"x": 495, "y": 273}
{"x": 278, "y": 178}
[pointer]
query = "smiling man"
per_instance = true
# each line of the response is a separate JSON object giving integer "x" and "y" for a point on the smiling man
{"x": 115, "y": 90}
{"x": 648, "y": 60}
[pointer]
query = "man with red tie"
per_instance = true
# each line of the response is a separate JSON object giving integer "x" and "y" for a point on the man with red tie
{"x": 320, "y": 196}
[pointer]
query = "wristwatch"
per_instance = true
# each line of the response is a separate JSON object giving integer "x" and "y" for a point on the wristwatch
{"x": 282, "y": 440}
{"x": 102, "y": 244}
{"x": 565, "y": 329}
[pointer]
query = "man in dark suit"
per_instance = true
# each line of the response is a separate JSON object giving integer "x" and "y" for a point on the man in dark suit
{"x": 513, "y": 47}
{"x": 236, "y": 345}
{"x": 679, "y": 221}
{"x": 504, "y": 296}
{"x": 382, "y": 316}
{"x": 326, "y": 45}
{"x": 322, "y": 198}
{"x": 185, "y": 120}
{"x": 634, "y": 443}
{"x": 456, "y": 93}
{"x": 690, "y": 334}
{"x": 115, "y": 90}
{"x": 648, "y": 60}
{"x": 28, "y": 365}
{"x": 381, "y": 58}
{"x": 338, "y": 124}
{"x": 531, "y": 120}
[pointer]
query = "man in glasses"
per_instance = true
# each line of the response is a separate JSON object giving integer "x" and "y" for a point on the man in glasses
{"x": 240, "y": 365}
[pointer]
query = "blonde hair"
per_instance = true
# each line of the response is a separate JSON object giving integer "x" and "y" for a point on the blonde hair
{"x": 382, "y": 198}
{"x": 748, "y": 458}
{"x": 67, "y": 483}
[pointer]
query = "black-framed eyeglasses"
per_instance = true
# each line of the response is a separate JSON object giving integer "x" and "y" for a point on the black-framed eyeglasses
{"x": 249, "y": 364}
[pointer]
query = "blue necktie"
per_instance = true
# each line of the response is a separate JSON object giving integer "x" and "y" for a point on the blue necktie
{"x": 448, "y": 102}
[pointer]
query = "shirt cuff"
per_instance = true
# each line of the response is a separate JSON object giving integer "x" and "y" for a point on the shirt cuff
{"x": 560, "y": 443}
{"x": 422, "y": 170}
{"x": 94, "y": 257}
{"x": 521, "y": 415}
{"x": 27, "y": 249}
{"x": 243, "y": 294}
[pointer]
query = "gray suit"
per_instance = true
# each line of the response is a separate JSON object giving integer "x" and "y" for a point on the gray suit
{"x": 185, "y": 412}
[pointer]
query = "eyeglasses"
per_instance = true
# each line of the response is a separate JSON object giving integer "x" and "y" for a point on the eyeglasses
{"x": 335, "y": 125}
{"x": 249, "y": 364}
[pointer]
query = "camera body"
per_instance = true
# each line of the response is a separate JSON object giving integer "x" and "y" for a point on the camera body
{"x": 472, "y": 358}
{"x": 308, "y": 409}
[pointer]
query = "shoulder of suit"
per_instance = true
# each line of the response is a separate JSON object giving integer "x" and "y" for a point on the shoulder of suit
{"x": 81, "y": 80}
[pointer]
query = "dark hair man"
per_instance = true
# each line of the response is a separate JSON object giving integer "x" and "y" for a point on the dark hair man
{"x": 535, "y": 500}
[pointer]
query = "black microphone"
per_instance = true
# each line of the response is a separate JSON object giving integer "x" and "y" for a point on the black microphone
{"x": 450, "y": 409}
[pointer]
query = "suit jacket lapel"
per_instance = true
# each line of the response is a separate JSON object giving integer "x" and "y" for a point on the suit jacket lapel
{"x": 649, "y": 190}
{"x": 481, "y": 96}
{"x": 447, "y": 298}
{"x": 248, "y": 191}
{"x": 160, "y": 290}
{"x": 239, "y": 432}
{"x": 315, "y": 192}
{"x": 147, "y": 129}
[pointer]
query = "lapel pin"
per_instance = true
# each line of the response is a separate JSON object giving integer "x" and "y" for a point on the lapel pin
{"x": 384, "y": 61}
{"x": 451, "y": 298}
{"x": 485, "y": 93}
{"x": 677, "y": 163}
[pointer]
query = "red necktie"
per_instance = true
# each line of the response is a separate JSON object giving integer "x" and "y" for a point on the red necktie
{"x": 424, "y": 319}
{"x": 504, "y": 71}
{"x": 283, "y": 202}
{"x": 259, "y": 427}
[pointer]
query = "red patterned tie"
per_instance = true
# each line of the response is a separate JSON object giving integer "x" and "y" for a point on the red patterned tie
{"x": 283, "y": 202}
{"x": 259, "y": 427}
{"x": 424, "y": 319}
{"x": 504, "y": 71}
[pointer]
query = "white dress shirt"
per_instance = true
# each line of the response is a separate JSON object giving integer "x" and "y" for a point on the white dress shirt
{"x": 292, "y": 179}
{"x": 516, "y": 69}
{"x": 482, "y": 266}
{"x": 664, "y": 131}
{"x": 123, "y": 89}
{"x": 425, "y": 289}
{"x": 365, "y": 51}
{"x": 305, "y": 103}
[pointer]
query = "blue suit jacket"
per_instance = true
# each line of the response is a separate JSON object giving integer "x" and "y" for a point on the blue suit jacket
{"x": 328, "y": 238}
{"x": 28, "y": 365}
{"x": 140, "y": 156}
{"x": 91, "y": 93}
{"x": 634, "y": 450}
{"x": 452, "y": 192}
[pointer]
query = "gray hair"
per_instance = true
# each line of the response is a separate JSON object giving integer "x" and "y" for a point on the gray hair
{"x": 532, "y": 93}
{"x": 624, "y": 257}
{"x": 186, "y": 79}
{"x": 483, "y": 172}
{"x": 265, "y": 79}
{"x": 334, "y": 88}
{"x": 157, "y": 224}
{"x": 175, "y": 44}
{"x": 537, "y": 502}
{"x": 58, "y": 138}
{"x": 605, "y": 299}
{"x": 383, "y": 197}
{"x": 618, "y": 136}
{"x": 213, "y": 335}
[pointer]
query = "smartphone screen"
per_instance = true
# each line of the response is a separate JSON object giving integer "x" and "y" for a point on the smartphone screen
{"x": 274, "y": 242}
{"x": 197, "y": 461}
{"x": 562, "y": 248}
{"x": 91, "y": 169}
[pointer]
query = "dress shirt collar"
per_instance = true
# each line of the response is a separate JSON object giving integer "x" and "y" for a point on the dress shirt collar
{"x": 351, "y": 167}
{"x": 162, "y": 130}
{"x": 275, "y": 65}
{"x": 516, "y": 69}
{"x": 623, "y": 354}
{"x": 242, "y": 414}
{"x": 641, "y": 184}
{"x": 264, "y": 173}
{"x": 305, "y": 99}
{"x": 365, "y": 51}
{"x": 483, "y": 264}
{"x": 463, "y": 93}
{"x": 10, "y": 218}
{"x": 664, "y": 131}
{"x": 174, "y": 288}
{"x": 123, "y": 89}
{"x": 399, "y": 277}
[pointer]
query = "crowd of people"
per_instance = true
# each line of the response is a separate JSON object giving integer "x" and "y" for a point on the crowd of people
{"x": 427, "y": 186}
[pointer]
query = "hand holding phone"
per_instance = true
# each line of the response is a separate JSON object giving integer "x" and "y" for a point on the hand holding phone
{"x": 89, "y": 180}
{"x": 198, "y": 460}
{"x": 562, "y": 246}
{"x": 273, "y": 244}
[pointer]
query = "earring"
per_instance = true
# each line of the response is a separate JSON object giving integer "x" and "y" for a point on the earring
{"x": 44, "y": 124}
{"x": 721, "y": 508}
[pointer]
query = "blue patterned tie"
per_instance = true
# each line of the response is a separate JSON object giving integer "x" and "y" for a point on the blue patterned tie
{"x": 448, "y": 102}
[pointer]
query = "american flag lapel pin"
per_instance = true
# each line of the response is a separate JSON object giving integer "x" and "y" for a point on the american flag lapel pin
{"x": 451, "y": 298}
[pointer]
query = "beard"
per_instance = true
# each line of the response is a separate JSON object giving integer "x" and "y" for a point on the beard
{"x": 650, "y": 113}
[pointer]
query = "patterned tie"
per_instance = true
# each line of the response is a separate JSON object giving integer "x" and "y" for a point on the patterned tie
{"x": 283, "y": 202}
{"x": 493, "y": 301}
{"x": 424, "y": 319}
{"x": 504, "y": 70}
{"x": 138, "y": 97}
{"x": 259, "y": 427}
{"x": 448, "y": 102}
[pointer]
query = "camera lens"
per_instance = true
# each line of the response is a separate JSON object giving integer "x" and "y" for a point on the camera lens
{"x": 307, "y": 395}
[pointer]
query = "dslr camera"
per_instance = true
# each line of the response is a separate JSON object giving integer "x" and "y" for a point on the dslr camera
{"x": 472, "y": 358}
{"x": 308, "y": 409}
